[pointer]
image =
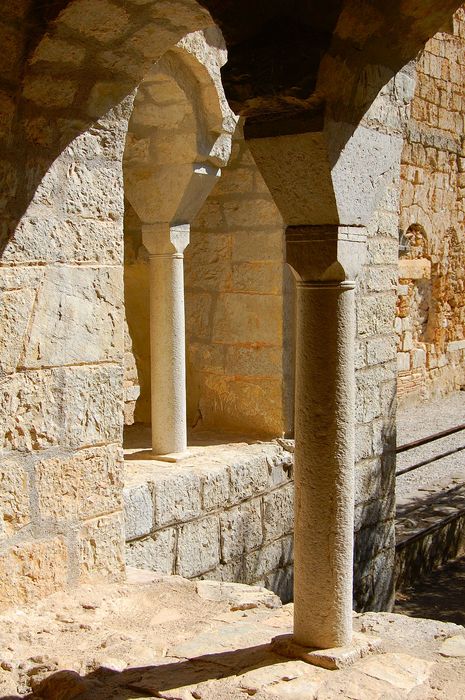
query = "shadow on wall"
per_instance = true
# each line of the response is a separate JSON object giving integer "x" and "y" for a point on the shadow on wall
{"x": 375, "y": 528}
{"x": 137, "y": 308}
{"x": 64, "y": 135}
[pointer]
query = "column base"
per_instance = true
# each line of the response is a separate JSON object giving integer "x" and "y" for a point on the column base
{"x": 331, "y": 659}
{"x": 172, "y": 456}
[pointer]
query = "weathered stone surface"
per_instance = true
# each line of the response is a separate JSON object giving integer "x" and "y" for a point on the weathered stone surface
{"x": 207, "y": 261}
{"x": 67, "y": 240}
{"x": 57, "y": 50}
{"x": 198, "y": 311}
{"x": 278, "y": 512}
{"x": 101, "y": 549}
{"x": 156, "y": 552}
{"x": 198, "y": 547}
{"x": 48, "y": 91}
{"x": 244, "y": 318}
{"x": 146, "y": 629}
{"x": 102, "y": 21}
{"x": 238, "y": 595}
{"x": 14, "y": 497}
{"x": 240, "y": 530}
{"x": 77, "y": 318}
{"x": 32, "y": 570}
{"x": 453, "y": 647}
{"x": 260, "y": 246}
{"x": 215, "y": 487}
{"x": 235, "y": 402}
{"x": 248, "y": 477}
{"x": 95, "y": 193}
{"x": 398, "y": 670}
{"x": 138, "y": 511}
{"x": 257, "y": 361}
{"x": 71, "y": 406}
{"x": 258, "y": 277}
{"x": 15, "y": 312}
{"x": 375, "y": 314}
{"x": 176, "y": 496}
{"x": 83, "y": 485}
{"x": 414, "y": 269}
{"x": 263, "y": 561}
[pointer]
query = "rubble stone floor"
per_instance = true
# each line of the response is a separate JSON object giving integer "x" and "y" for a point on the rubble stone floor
{"x": 167, "y": 637}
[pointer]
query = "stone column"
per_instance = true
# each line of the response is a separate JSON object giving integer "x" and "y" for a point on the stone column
{"x": 166, "y": 245}
{"x": 324, "y": 260}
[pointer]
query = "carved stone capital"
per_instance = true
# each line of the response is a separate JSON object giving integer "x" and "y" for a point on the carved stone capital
{"x": 325, "y": 254}
{"x": 164, "y": 239}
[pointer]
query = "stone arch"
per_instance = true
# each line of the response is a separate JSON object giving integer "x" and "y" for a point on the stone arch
{"x": 80, "y": 74}
{"x": 180, "y": 129}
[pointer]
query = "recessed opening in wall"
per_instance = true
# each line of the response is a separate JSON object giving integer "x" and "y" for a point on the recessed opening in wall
{"x": 239, "y": 295}
{"x": 212, "y": 514}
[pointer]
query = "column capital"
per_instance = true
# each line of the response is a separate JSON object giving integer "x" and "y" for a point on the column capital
{"x": 325, "y": 253}
{"x": 165, "y": 238}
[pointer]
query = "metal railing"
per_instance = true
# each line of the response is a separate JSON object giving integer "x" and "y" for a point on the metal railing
{"x": 418, "y": 443}
{"x": 425, "y": 441}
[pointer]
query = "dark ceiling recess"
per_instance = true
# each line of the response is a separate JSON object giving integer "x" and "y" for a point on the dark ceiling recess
{"x": 47, "y": 10}
{"x": 274, "y": 48}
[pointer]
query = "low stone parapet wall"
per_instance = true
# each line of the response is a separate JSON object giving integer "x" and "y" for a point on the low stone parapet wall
{"x": 226, "y": 513}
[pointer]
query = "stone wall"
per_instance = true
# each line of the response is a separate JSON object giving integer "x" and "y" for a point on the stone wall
{"x": 61, "y": 346}
{"x": 239, "y": 307}
{"x": 430, "y": 320}
{"x": 66, "y": 95}
{"x": 226, "y": 514}
{"x": 375, "y": 435}
{"x": 376, "y": 368}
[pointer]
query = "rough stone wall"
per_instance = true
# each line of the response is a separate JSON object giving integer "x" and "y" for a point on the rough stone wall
{"x": 61, "y": 339}
{"x": 375, "y": 435}
{"x": 376, "y": 368}
{"x": 239, "y": 307}
{"x": 430, "y": 321}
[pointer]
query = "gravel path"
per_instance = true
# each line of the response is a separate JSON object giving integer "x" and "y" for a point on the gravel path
{"x": 444, "y": 475}
{"x": 426, "y": 496}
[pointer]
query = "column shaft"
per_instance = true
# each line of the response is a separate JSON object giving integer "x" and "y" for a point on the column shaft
{"x": 324, "y": 462}
{"x": 168, "y": 355}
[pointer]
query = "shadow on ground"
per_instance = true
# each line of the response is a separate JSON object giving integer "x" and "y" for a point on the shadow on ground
{"x": 150, "y": 681}
{"x": 439, "y": 596}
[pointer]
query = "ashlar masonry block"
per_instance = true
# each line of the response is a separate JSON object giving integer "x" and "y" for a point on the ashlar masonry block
{"x": 240, "y": 529}
{"x": 198, "y": 547}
